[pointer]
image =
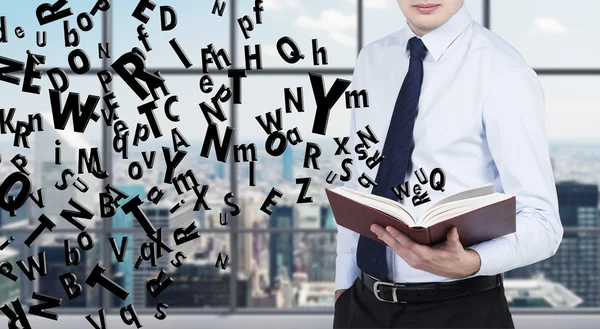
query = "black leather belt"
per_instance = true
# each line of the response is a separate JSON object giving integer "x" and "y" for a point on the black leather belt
{"x": 391, "y": 292}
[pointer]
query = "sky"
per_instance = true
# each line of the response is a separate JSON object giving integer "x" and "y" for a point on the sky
{"x": 546, "y": 32}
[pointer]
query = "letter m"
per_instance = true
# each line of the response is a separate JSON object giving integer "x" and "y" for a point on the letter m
{"x": 244, "y": 150}
{"x": 353, "y": 95}
{"x": 91, "y": 163}
{"x": 184, "y": 178}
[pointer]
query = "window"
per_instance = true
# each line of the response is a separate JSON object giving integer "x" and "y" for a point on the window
{"x": 332, "y": 23}
{"x": 195, "y": 29}
{"x": 23, "y": 15}
{"x": 547, "y": 33}
{"x": 285, "y": 260}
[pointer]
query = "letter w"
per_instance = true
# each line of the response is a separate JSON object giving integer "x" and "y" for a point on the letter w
{"x": 268, "y": 126}
{"x": 82, "y": 113}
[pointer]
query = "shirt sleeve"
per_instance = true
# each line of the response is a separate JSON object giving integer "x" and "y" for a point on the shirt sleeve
{"x": 514, "y": 124}
{"x": 346, "y": 268}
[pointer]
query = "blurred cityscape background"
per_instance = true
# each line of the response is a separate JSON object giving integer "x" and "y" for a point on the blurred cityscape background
{"x": 287, "y": 259}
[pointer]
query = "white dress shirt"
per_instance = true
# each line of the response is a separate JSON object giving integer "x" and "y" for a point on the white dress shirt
{"x": 480, "y": 119}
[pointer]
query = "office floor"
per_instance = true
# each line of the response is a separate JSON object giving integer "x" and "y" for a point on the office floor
{"x": 546, "y": 321}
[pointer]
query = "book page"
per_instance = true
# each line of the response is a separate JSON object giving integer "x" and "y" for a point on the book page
{"x": 456, "y": 208}
{"x": 466, "y": 194}
{"x": 385, "y": 205}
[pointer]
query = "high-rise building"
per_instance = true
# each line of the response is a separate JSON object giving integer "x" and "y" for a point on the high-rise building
{"x": 201, "y": 218}
{"x": 260, "y": 253}
{"x": 287, "y": 164}
{"x": 245, "y": 244}
{"x": 24, "y": 286}
{"x": 49, "y": 284}
{"x": 125, "y": 221}
{"x": 322, "y": 250}
{"x": 9, "y": 290}
{"x": 201, "y": 284}
{"x": 161, "y": 217}
{"x": 321, "y": 257}
{"x": 281, "y": 244}
{"x": 576, "y": 264}
{"x": 220, "y": 170}
{"x": 327, "y": 219}
{"x": 245, "y": 172}
{"x": 18, "y": 222}
{"x": 117, "y": 277}
{"x": 20, "y": 214}
{"x": 48, "y": 173}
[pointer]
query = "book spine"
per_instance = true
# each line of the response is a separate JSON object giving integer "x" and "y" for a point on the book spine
{"x": 419, "y": 234}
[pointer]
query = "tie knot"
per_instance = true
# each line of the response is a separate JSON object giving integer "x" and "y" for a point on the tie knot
{"x": 417, "y": 48}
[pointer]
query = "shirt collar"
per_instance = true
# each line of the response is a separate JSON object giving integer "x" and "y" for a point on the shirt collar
{"x": 438, "y": 40}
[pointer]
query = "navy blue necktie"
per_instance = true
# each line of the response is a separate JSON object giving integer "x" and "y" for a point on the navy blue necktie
{"x": 370, "y": 255}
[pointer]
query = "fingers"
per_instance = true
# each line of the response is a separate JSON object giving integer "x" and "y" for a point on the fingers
{"x": 386, "y": 237}
{"x": 405, "y": 241}
{"x": 416, "y": 255}
{"x": 452, "y": 236}
{"x": 402, "y": 244}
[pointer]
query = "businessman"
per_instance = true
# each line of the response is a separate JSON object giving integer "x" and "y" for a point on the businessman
{"x": 445, "y": 92}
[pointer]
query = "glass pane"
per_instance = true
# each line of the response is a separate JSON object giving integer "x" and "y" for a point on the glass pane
{"x": 383, "y": 17}
{"x": 188, "y": 264}
{"x": 23, "y": 14}
{"x": 571, "y": 277}
{"x": 196, "y": 28}
{"x": 44, "y": 172}
{"x": 548, "y": 33}
{"x": 192, "y": 127}
{"x": 332, "y": 23}
{"x": 262, "y": 94}
{"x": 197, "y": 282}
{"x": 571, "y": 108}
{"x": 201, "y": 254}
{"x": 53, "y": 246}
{"x": 289, "y": 270}
{"x": 191, "y": 124}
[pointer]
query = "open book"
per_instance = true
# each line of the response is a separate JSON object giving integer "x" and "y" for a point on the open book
{"x": 479, "y": 214}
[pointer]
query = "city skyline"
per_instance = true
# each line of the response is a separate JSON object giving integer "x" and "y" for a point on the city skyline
{"x": 307, "y": 258}
{"x": 535, "y": 30}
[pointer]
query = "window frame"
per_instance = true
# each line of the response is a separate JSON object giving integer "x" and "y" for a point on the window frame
{"x": 233, "y": 230}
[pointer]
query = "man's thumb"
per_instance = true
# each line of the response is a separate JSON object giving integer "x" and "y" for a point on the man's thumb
{"x": 453, "y": 234}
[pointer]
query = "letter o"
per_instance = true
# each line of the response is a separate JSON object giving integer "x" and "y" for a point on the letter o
{"x": 273, "y": 137}
{"x": 135, "y": 170}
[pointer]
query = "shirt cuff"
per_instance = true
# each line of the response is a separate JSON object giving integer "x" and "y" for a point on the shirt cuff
{"x": 493, "y": 256}
{"x": 346, "y": 271}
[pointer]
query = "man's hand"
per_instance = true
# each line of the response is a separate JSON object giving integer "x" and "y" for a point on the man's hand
{"x": 449, "y": 258}
{"x": 337, "y": 295}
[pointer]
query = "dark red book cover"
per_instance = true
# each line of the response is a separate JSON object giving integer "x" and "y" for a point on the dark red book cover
{"x": 478, "y": 225}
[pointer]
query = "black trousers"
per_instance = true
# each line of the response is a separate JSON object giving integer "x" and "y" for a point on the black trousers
{"x": 357, "y": 307}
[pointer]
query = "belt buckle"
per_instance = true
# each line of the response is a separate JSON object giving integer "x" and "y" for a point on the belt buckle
{"x": 394, "y": 288}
